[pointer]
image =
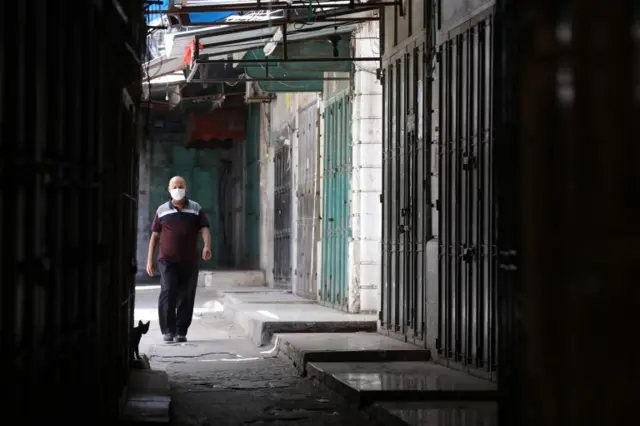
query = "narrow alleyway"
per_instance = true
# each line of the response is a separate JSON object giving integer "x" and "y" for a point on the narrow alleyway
{"x": 220, "y": 378}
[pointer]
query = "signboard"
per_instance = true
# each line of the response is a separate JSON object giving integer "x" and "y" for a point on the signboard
{"x": 223, "y": 124}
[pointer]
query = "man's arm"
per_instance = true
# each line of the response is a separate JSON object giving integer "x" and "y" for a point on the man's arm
{"x": 153, "y": 243}
{"x": 206, "y": 237}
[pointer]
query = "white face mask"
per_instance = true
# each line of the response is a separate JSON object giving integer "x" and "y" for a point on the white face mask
{"x": 177, "y": 193}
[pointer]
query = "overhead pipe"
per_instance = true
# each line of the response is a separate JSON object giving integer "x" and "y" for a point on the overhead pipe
{"x": 294, "y": 20}
{"x": 276, "y": 4}
{"x": 267, "y": 78}
{"x": 290, "y": 60}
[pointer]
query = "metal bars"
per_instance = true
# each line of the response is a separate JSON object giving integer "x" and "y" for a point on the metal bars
{"x": 406, "y": 195}
{"x": 68, "y": 196}
{"x": 467, "y": 292}
{"x": 336, "y": 227}
{"x": 306, "y": 284}
{"x": 282, "y": 225}
{"x": 568, "y": 104}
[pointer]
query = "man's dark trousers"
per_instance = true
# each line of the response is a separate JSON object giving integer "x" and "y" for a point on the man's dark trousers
{"x": 177, "y": 296}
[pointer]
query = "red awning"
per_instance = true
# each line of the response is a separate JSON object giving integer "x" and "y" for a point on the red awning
{"x": 220, "y": 125}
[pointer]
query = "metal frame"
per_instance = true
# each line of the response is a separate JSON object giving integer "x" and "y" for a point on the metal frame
{"x": 198, "y": 60}
{"x": 238, "y": 6}
{"x": 284, "y": 60}
{"x": 198, "y": 48}
{"x": 299, "y": 20}
{"x": 68, "y": 246}
{"x": 335, "y": 15}
{"x": 248, "y": 80}
{"x": 308, "y": 28}
{"x": 282, "y": 211}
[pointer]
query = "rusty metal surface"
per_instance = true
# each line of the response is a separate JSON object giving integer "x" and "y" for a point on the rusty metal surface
{"x": 68, "y": 195}
{"x": 569, "y": 177}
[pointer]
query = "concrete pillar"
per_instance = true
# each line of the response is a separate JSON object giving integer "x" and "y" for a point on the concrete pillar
{"x": 366, "y": 180}
{"x": 266, "y": 195}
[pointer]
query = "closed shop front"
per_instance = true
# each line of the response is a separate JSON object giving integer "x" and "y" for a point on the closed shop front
{"x": 283, "y": 220}
{"x": 307, "y": 205}
{"x": 438, "y": 221}
{"x": 406, "y": 192}
{"x": 336, "y": 226}
{"x": 467, "y": 299}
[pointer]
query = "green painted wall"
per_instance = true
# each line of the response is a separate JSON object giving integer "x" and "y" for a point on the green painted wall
{"x": 336, "y": 227}
{"x": 202, "y": 169}
{"x": 252, "y": 192}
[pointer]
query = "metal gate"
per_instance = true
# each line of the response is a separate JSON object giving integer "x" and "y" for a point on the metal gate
{"x": 336, "y": 227}
{"x": 406, "y": 195}
{"x": 68, "y": 220}
{"x": 467, "y": 293}
{"x": 282, "y": 211}
{"x": 306, "y": 284}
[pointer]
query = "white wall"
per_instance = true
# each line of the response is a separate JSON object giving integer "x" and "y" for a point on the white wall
{"x": 366, "y": 181}
{"x": 266, "y": 195}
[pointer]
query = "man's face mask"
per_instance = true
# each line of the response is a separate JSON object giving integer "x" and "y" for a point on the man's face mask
{"x": 177, "y": 193}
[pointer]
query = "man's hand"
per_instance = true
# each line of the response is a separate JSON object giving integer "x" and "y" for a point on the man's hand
{"x": 150, "y": 268}
{"x": 206, "y": 253}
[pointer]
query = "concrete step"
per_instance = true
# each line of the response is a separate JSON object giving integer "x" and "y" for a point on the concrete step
{"x": 303, "y": 348}
{"x": 434, "y": 413}
{"x": 148, "y": 398}
{"x": 231, "y": 278}
{"x": 263, "y": 314}
{"x": 368, "y": 382}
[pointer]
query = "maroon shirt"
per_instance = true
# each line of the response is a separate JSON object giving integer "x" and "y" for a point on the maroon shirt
{"x": 179, "y": 230}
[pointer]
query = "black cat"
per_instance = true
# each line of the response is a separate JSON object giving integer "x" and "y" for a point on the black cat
{"x": 136, "y": 336}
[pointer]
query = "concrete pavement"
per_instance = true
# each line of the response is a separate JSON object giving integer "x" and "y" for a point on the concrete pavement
{"x": 219, "y": 377}
{"x": 232, "y": 372}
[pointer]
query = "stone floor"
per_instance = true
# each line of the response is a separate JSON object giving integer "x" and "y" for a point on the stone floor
{"x": 365, "y": 382}
{"x": 264, "y": 313}
{"x": 221, "y": 378}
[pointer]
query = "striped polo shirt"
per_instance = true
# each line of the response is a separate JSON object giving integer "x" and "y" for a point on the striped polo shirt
{"x": 179, "y": 231}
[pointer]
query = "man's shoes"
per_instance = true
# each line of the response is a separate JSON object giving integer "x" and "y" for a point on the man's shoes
{"x": 168, "y": 337}
{"x": 180, "y": 339}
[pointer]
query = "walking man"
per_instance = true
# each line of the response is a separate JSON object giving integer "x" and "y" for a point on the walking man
{"x": 175, "y": 229}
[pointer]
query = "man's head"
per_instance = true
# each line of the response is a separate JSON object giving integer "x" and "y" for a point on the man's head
{"x": 177, "y": 188}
